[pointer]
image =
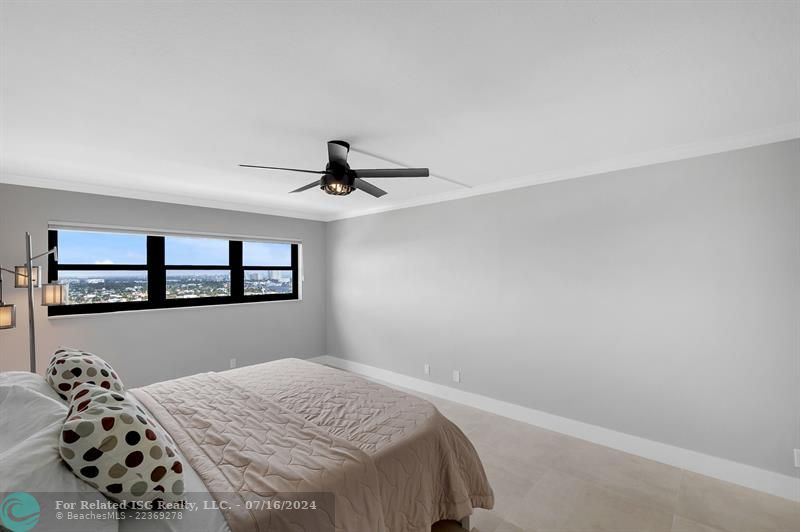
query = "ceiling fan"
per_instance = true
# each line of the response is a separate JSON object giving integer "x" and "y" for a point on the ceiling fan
{"x": 339, "y": 179}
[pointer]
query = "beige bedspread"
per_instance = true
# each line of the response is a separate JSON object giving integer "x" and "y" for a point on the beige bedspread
{"x": 392, "y": 461}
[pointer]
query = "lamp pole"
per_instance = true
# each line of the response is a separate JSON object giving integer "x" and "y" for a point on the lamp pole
{"x": 31, "y": 322}
{"x": 29, "y": 284}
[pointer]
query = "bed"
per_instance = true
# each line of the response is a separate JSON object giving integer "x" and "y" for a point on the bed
{"x": 369, "y": 457}
{"x": 296, "y": 430}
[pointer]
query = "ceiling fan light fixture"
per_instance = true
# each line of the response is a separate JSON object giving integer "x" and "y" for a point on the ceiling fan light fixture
{"x": 337, "y": 189}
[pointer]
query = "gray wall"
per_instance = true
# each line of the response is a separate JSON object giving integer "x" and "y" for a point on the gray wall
{"x": 156, "y": 345}
{"x": 662, "y": 301}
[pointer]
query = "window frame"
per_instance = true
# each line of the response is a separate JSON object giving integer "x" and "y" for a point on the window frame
{"x": 157, "y": 277}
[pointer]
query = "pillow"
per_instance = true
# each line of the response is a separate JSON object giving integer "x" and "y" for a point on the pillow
{"x": 112, "y": 443}
{"x": 69, "y": 368}
{"x": 25, "y": 379}
{"x": 30, "y": 425}
{"x": 27, "y": 405}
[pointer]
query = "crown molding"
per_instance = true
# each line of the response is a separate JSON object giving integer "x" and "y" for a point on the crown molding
{"x": 149, "y": 195}
{"x": 761, "y": 137}
{"x": 771, "y": 135}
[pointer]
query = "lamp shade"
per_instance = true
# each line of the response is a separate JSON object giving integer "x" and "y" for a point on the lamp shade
{"x": 8, "y": 316}
{"x": 55, "y": 294}
{"x": 21, "y": 276}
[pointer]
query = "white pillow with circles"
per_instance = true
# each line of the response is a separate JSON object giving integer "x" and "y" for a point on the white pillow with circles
{"x": 69, "y": 368}
{"x": 113, "y": 444}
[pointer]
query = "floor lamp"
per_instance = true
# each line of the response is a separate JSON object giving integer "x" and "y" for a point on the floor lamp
{"x": 29, "y": 276}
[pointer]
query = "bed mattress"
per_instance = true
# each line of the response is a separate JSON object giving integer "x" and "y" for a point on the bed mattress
{"x": 390, "y": 460}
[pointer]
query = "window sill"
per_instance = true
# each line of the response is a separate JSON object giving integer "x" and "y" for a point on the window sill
{"x": 172, "y": 309}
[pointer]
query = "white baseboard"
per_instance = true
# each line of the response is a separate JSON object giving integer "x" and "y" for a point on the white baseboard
{"x": 712, "y": 466}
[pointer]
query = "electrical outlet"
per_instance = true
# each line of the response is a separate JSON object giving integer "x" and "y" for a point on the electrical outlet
{"x": 456, "y": 375}
{"x": 797, "y": 457}
{"x": 233, "y": 363}
{"x": 427, "y": 369}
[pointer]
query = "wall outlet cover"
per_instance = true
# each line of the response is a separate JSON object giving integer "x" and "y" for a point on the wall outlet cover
{"x": 456, "y": 375}
{"x": 797, "y": 457}
{"x": 233, "y": 363}
{"x": 427, "y": 369}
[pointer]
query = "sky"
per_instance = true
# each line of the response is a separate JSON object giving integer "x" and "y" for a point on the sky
{"x": 83, "y": 247}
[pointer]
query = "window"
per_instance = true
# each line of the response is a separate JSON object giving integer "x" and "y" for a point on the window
{"x": 197, "y": 267}
{"x": 103, "y": 267}
{"x": 277, "y": 278}
{"x": 109, "y": 272}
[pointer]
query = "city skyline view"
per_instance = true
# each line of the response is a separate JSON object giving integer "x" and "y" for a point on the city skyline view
{"x": 98, "y": 287}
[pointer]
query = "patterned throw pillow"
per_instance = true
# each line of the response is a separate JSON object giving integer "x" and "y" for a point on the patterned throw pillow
{"x": 113, "y": 444}
{"x": 69, "y": 368}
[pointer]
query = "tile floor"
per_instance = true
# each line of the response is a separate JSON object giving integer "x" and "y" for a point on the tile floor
{"x": 549, "y": 482}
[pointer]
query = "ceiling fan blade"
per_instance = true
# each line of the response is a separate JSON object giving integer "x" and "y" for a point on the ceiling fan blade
{"x": 337, "y": 151}
{"x": 369, "y": 188}
{"x": 306, "y": 187}
{"x": 287, "y": 169}
{"x": 393, "y": 172}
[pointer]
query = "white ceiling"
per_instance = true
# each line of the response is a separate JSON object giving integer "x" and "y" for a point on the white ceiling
{"x": 162, "y": 100}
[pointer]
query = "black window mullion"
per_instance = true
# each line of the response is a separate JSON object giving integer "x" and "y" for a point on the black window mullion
{"x": 295, "y": 271}
{"x": 237, "y": 271}
{"x": 196, "y": 267}
{"x": 156, "y": 272}
{"x": 275, "y": 268}
{"x": 101, "y": 267}
{"x": 52, "y": 265}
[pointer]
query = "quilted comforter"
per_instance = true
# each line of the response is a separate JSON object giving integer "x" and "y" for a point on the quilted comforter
{"x": 390, "y": 461}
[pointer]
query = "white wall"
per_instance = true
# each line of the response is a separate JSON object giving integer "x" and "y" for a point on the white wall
{"x": 662, "y": 301}
{"x": 155, "y": 345}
